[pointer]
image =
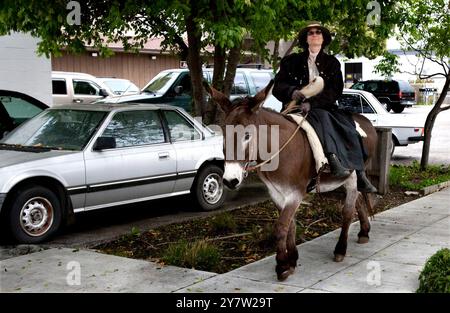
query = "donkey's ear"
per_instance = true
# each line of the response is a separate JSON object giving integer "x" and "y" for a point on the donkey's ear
{"x": 258, "y": 99}
{"x": 218, "y": 97}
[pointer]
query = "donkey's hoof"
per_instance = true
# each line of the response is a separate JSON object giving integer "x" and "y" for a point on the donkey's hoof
{"x": 339, "y": 257}
{"x": 282, "y": 276}
{"x": 363, "y": 240}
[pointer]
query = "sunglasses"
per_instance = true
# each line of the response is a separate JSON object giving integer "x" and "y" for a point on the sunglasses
{"x": 312, "y": 32}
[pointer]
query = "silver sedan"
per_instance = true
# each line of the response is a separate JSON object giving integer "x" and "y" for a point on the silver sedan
{"x": 72, "y": 159}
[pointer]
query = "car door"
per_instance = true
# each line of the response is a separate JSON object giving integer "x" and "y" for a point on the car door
{"x": 141, "y": 167}
{"x": 85, "y": 91}
{"x": 189, "y": 147}
{"x": 355, "y": 103}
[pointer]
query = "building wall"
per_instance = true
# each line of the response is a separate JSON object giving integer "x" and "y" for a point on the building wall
{"x": 21, "y": 70}
{"x": 139, "y": 68}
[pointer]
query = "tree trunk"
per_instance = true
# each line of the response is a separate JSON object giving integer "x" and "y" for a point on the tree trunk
{"x": 233, "y": 60}
{"x": 195, "y": 64}
{"x": 217, "y": 81}
{"x": 431, "y": 118}
{"x": 276, "y": 55}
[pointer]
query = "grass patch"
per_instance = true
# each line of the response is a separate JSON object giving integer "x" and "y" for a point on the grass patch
{"x": 223, "y": 223}
{"x": 200, "y": 254}
{"x": 412, "y": 178}
{"x": 435, "y": 277}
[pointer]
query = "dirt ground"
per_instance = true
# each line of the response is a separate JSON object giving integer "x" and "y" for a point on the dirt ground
{"x": 244, "y": 235}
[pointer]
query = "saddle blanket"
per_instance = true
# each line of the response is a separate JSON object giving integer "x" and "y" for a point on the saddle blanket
{"x": 314, "y": 141}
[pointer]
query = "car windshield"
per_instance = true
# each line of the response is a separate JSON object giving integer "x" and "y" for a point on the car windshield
{"x": 119, "y": 86}
{"x": 60, "y": 129}
{"x": 405, "y": 86}
{"x": 160, "y": 83}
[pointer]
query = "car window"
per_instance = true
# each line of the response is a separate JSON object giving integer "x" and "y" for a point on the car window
{"x": 59, "y": 87}
{"x": 371, "y": 87}
{"x": 260, "y": 80}
{"x": 185, "y": 82}
{"x": 85, "y": 88}
{"x": 119, "y": 86}
{"x": 135, "y": 128}
{"x": 19, "y": 109}
{"x": 389, "y": 87}
{"x": 180, "y": 129}
{"x": 61, "y": 129}
{"x": 366, "y": 108}
{"x": 350, "y": 103}
{"x": 358, "y": 86}
{"x": 160, "y": 82}
{"x": 240, "y": 85}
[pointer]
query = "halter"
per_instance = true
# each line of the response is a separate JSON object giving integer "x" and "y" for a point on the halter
{"x": 248, "y": 168}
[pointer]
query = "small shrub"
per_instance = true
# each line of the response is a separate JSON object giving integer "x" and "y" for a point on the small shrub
{"x": 435, "y": 277}
{"x": 201, "y": 255}
{"x": 223, "y": 223}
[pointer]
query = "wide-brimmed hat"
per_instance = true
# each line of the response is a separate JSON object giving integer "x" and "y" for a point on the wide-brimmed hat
{"x": 303, "y": 34}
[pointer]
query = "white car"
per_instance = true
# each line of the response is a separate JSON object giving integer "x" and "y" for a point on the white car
{"x": 77, "y": 88}
{"x": 77, "y": 158}
{"x": 406, "y": 129}
{"x": 120, "y": 86}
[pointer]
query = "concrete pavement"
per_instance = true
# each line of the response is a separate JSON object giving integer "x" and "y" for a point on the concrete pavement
{"x": 401, "y": 240}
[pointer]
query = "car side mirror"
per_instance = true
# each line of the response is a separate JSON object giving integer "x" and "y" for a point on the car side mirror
{"x": 178, "y": 90}
{"x": 2, "y": 135}
{"x": 104, "y": 143}
{"x": 103, "y": 92}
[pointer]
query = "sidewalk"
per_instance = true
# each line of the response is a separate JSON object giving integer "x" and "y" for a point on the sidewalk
{"x": 401, "y": 240}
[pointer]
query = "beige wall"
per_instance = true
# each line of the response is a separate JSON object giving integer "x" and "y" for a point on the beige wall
{"x": 139, "y": 68}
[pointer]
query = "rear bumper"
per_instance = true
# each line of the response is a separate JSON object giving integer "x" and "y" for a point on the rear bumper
{"x": 416, "y": 138}
{"x": 407, "y": 103}
{"x": 2, "y": 200}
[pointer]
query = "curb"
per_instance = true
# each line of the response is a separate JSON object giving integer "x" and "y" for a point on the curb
{"x": 430, "y": 189}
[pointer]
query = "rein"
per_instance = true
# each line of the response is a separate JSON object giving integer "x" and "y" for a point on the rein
{"x": 248, "y": 168}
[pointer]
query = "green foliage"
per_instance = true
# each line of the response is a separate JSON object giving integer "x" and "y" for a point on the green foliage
{"x": 388, "y": 66}
{"x": 435, "y": 277}
{"x": 201, "y": 255}
{"x": 135, "y": 231}
{"x": 413, "y": 178}
{"x": 223, "y": 223}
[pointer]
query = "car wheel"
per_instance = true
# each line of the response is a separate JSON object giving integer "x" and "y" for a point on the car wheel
{"x": 208, "y": 190}
{"x": 398, "y": 109}
{"x": 34, "y": 215}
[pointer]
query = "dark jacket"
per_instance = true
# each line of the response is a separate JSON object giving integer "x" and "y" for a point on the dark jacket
{"x": 334, "y": 127}
{"x": 294, "y": 74}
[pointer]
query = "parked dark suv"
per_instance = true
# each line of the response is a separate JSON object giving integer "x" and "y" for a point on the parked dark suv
{"x": 395, "y": 94}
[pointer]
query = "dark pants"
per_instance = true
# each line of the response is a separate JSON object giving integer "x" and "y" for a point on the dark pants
{"x": 337, "y": 133}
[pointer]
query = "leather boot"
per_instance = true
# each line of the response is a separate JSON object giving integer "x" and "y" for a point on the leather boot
{"x": 364, "y": 185}
{"x": 337, "y": 170}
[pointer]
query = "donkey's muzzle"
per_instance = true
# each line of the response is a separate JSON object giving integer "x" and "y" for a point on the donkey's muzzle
{"x": 232, "y": 183}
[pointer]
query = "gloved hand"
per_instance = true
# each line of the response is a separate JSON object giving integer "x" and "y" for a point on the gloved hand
{"x": 305, "y": 107}
{"x": 298, "y": 95}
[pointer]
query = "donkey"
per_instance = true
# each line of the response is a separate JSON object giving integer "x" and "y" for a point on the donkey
{"x": 287, "y": 184}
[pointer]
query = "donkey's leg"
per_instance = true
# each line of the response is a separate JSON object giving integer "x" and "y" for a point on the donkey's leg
{"x": 291, "y": 246}
{"x": 283, "y": 267}
{"x": 363, "y": 215}
{"x": 347, "y": 213}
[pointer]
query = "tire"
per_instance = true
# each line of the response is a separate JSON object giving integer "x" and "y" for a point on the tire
{"x": 398, "y": 109}
{"x": 208, "y": 190}
{"x": 392, "y": 147}
{"x": 34, "y": 215}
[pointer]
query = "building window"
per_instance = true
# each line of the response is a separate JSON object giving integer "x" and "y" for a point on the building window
{"x": 353, "y": 72}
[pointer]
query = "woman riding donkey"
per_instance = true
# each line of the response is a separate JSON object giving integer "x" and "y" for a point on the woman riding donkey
{"x": 335, "y": 128}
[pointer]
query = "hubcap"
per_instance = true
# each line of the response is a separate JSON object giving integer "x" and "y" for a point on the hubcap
{"x": 212, "y": 188}
{"x": 36, "y": 216}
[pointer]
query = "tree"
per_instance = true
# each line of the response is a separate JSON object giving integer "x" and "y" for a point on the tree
{"x": 221, "y": 23}
{"x": 423, "y": 27}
